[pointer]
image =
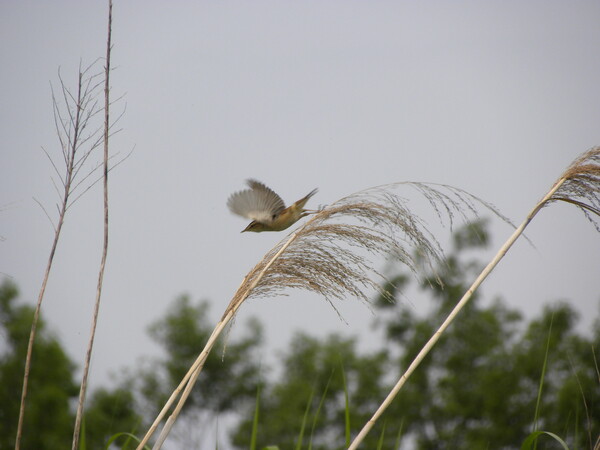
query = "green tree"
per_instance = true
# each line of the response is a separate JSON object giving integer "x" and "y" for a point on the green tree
{"x": 48, "y": 419}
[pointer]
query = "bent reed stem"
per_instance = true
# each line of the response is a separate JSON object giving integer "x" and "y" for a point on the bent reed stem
{"x": 463, "y": 301}
{"x": 191, "y": 376}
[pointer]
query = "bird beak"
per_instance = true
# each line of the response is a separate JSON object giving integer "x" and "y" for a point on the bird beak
{"x": 248, "y": 228}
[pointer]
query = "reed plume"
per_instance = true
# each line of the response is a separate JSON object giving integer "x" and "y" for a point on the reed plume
{"x": 333, "y": 253}
{"x": 578, "y": 185}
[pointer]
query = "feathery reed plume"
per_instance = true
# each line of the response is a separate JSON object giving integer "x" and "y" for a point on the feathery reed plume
{"x": 331, "y": 254}
{"x": 578, "y": 185}
{"x": 581, "y": 185}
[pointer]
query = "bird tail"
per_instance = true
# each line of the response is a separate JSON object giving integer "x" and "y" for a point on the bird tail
{"x": 300, "y": 203}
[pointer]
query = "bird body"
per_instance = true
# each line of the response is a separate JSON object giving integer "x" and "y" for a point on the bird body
{"x": 266, "y": 209}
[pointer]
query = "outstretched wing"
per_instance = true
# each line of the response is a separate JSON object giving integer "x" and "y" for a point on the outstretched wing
{"x": 257, "y": 203}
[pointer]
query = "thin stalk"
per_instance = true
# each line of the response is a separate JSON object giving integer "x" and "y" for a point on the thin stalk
{"x": 192, "y": 375}
{"x": 346, "y": 406}
{"x": 300, "y": 440}
{"x": 542, "y": 377}
{"x": 69, "y": 159}
{"x": 198, "y": 364}
{"x": 191, "y": 381}
{"x": 255, "y": 420}
{"x": 88, "y": 356}
{"x": 36, "y": 315}
{"x": 318, "y": 411}
{"x": 463, "y": 301}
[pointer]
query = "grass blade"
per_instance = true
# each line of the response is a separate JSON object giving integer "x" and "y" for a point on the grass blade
{"x": 532, "y": 438}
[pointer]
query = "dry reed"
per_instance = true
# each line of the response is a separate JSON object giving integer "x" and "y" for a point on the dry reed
{"x": 78, "y": 138}
{"x": 578, "y": 185}
{"x": 106, "y": 135}
{"x": 80, "y": 132}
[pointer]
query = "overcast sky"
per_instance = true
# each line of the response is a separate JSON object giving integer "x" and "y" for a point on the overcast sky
{"x": 493, "y": 97}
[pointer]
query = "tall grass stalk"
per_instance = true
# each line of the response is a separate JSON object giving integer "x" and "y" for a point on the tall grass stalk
{"x": 88, "y": 356}
{"x": 75, "y": 123}
{"x": 542, "y": 378}
{"x": 399, "y": 435}
{"x": 347, "y": 429}
{"x": 585, "y": 407}
{"x": 578, "y": 185}
{"x": 300, "y": 440}
{"x": 255, "y": 420}
{"x": 381, "y": 438}
{"x": 318, "y": 411}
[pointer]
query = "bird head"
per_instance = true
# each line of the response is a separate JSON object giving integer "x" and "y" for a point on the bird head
{"x": 256, "y": 227}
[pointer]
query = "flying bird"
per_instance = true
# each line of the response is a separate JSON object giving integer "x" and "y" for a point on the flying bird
{"x": 266, "y": 209}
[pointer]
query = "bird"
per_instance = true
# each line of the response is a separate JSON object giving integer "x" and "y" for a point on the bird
{"x": 266, "y": 209}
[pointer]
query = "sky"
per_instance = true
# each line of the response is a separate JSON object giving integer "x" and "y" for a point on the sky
{"x": 496, "y": 98}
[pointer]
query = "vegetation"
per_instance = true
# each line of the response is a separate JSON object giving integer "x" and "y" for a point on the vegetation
{"x": 477, "y": 389}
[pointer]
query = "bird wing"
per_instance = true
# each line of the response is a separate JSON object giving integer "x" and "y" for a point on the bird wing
{"x": 257, "y": 203}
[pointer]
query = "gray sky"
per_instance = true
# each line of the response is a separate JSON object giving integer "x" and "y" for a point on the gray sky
{"x": 493, "y": 97}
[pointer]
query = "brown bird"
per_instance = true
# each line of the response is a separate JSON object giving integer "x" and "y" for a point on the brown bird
{"x": 266, "y": 209}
